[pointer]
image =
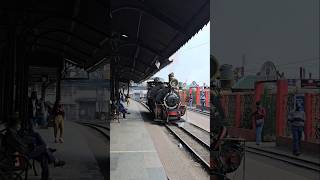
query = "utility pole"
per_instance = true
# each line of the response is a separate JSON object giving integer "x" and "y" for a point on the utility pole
{"x": 243, "y": 64}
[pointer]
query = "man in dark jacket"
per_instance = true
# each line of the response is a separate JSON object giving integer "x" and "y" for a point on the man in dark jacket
{"x": 31, "y": 144}
{"x": 33, "y": 109}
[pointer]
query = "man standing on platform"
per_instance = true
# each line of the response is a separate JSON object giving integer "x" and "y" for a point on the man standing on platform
{"x": 190, "y": 100}
{"x": 259, "y": 116}
{"x": 33, "y": 109}
{"x": 296, "y": 122}
{"x": 203, "y": 100}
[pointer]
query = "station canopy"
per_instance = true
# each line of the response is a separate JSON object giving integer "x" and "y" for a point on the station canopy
{"x": 132, "y": 35}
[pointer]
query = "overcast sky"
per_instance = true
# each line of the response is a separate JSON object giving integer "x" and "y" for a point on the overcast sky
{"x": 192, "y": 61}
{"x": 283, "y": 31}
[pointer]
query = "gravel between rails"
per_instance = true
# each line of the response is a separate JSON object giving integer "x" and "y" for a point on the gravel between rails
{"x": 197, "y": 132}
{"x": 201, "y": 150}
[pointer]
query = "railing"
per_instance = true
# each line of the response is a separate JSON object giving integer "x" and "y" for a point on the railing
{"x": 315, "y": 118}
{"x": 269, "y": 102}
{"x": 246, "y": 106}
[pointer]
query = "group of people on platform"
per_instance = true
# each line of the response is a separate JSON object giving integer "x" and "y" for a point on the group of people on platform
{"x": 202, "y": 100}
{"x": 40, "y": 114}
{"x": 119, "y": 105}
{"x": 27, "y": 141}
{"x": 296, "y": 119}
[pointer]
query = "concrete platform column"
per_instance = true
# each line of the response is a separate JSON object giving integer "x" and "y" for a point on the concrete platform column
{"x": 308, "y": 111}
{"x": 258, "y": 92}
{"x": 207, "y": 91}
{"x": 282, "y": 95}
{"x": 238, "y": 111}
{"x": 198, "y": 96}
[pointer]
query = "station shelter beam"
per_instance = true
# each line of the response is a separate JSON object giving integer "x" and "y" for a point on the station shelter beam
{"x": 58, "y": 83}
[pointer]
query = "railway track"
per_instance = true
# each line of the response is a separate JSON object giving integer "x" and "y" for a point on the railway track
{"x": 206, "y": 113}
{"x": 194, "y": 145}
{"x": 198, "y": 147}
{"x": 310, "y": 165}
{"x": 197, "y": 133}
{"x": 104, "y": 130}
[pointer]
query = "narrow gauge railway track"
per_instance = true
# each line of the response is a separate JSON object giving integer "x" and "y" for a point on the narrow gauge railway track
{"x": 104, "y": 130}
{"x": 198, "y": 137}
{"x": 199, "y": 149}
{"x": 310, "y": 165}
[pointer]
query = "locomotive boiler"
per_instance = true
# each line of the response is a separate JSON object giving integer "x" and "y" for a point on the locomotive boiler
{"x": 164, "y": 101}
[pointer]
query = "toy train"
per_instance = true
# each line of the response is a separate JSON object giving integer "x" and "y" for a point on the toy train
{"x": 164, "y": 101}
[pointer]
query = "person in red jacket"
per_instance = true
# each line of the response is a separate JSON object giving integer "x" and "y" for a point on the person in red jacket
{"x": 259, "y": 116}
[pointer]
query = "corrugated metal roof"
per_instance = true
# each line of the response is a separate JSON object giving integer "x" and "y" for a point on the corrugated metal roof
{"x": 130, "y": 34}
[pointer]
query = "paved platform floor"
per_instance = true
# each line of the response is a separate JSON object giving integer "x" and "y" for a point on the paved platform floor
{"x": 80, "y": 160}
{"x": 132, "y": 152}
{"x": 271, "y": 147}
{"x": 200, "y": 120}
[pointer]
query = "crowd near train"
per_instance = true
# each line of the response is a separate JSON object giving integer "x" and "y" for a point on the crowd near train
{"x": 164, "y": 100}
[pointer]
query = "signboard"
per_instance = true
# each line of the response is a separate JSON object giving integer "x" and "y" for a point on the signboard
{"x": 292, "y": 82}
{"x": 310, "y": 83}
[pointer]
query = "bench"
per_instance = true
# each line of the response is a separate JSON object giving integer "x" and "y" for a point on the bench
{"x": 115, "y": 115}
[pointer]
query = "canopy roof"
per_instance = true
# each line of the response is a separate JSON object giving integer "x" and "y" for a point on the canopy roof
{"x": 131, "y": 34}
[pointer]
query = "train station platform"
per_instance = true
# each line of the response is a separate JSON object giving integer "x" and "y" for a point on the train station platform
{"x": 271, "y": 147}
{"x": 198, "y": 119}
{"x": 132, "y": 152}
{"x": 76, "y": 151}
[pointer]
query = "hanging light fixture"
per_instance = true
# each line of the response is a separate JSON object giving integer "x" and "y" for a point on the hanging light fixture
{"x": 157, "y": 63}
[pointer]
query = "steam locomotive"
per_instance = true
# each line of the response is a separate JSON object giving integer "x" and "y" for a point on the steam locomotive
{"x": 164, "y": 101}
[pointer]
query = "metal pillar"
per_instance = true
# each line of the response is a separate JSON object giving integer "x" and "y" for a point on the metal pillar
{"x": 128, "y": 88}
{"x": 9, "y": 73}
{"x": 58, "y": 84}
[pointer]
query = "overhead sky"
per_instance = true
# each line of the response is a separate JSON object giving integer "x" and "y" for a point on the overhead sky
{"x": 192, "y": 61}
{"x": 285, "y": 32}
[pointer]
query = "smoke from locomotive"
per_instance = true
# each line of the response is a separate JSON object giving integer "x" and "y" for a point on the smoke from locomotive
{"x": 164, "y": 100}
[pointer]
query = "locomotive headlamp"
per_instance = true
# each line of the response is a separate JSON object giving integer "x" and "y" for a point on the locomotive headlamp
{"x": 174, "y": 83}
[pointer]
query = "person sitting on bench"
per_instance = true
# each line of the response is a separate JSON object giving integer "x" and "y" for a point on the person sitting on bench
{"x": 122, "y": 108}
{"x": 29, "y": 143}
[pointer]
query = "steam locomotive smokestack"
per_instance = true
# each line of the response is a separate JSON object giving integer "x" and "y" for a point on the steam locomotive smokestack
{"x": 170, "y": 76}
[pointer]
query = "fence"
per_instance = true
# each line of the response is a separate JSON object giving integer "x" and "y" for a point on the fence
{"x": 269, "y": 102}
{"x": 185, "y": 96}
